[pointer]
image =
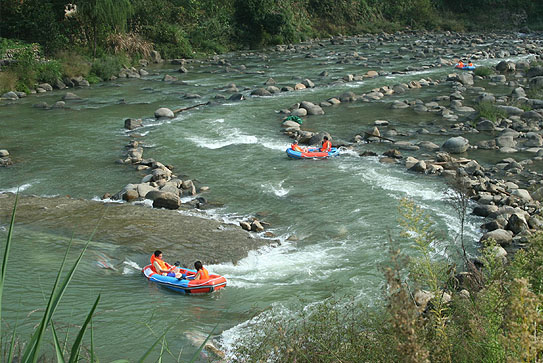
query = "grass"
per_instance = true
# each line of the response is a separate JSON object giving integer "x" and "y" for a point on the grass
{"x": 489, "y": 111}
{"x": 483, "y": 71}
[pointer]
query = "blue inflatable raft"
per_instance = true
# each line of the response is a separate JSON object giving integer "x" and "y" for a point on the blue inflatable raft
{"x": 312, "y": 153}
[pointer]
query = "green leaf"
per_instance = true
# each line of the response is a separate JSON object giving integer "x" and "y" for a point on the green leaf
{"x": 144, "y": 357}
{"x": 77, "y": 343}
{"x": 58, "y": 348}
{"x": 6, "y": 255}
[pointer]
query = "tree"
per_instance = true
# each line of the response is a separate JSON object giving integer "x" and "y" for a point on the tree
{"x": 98, "y": 16}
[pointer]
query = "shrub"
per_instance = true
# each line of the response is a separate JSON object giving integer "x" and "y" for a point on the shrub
{"x": 131, "y": 44}
{"x": 489, "y": 111}
{"x": 483, "y": 71}
{"x": 49, "y": 71}
{"x": 8, "y": 81}
{"x": 106, "y": 66}
{"x": 73, "y": 64}
{"x": 170, "y": 40}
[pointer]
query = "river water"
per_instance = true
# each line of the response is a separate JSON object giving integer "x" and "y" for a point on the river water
{"x": 340, "y": 210}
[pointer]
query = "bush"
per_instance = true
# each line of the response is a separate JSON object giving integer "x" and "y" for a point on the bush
{"x": 73, "y": 64}
{"x": 107, "y": 66}
{"x": 483, "y": 71}
{"x": 489, "y": 111}
{"x": 49, "y": 71}
{"x": 8, "y": 81}
{"x": 170, "y": 40}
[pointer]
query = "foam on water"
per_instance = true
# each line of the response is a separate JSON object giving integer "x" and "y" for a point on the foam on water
{"x": 15, "y": 189}
{"x": 131, "y": 268}
{"x": 277, "y": 189}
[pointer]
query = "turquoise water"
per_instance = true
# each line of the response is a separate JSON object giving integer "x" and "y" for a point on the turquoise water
{"x": 340, "y": 210}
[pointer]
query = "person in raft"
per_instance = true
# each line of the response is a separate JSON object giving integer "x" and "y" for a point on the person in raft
{"x": 202, "y": 272}
{"x": 460, "y": 64}
{"x": 326, "y": 144}
{"x": 296, "y": 147}
{"x": 163, "y": 268}
{"x": 470, "y": 64}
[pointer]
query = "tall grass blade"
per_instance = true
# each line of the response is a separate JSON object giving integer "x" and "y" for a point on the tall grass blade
{"x": 6, "y": 255}
{"x": 12, "y": 344}
{"x": 31, "y": 353}
{"x": 74, "y": 357}
{"x": 58, "y": 348}
{"x": 92, "y": 343}
{"x": 195, "y": 356}
{"x": 161, "y": 350}
{"x": 144, "y": 357}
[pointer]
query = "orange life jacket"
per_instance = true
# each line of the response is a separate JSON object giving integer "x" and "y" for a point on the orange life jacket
{"x": 295, "y": 147}
{"x": 163, "y": 265}
{"x": 460, "y": 65}
{"x": 470, "y": 64}
{"x": 203, "y": 274}
{"x": 326, "y": 146}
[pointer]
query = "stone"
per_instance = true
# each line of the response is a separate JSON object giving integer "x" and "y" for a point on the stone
{"x": 410, "y": 162}
{"x": 10, "y": 96}
{"x": 59, "y": 104}
{"x": 69, "y": 96}
{"x": 308, "y": 83}
{"x": 166, "y": 200}
{"x": 168, "y": 78}
{"x": 299, "y": 86}
{"x": 311, "y": 108}
{"x": 455, "y": 145}
{"x": 522, "y": 194}
{"x": 419, "y": 167}
{"x": 428, "y": 145}
{"x": 501, "y": 236}
{"x": 130, "y": 195}
{"x": 260, "y": 92}
{"x": 143, "y": 190}
{"x": 46, "y": 86}
{"x": 485, "y": 125}
{"x": 245, "y": 225}
{"x": 484, "y": 210}
{"x": 300, "y": 112}
{"x": 164, "y": 112}
{"x": 256, "y": 226}
{"x": 237, "y": 97}
{"x": 132, "y": 123}
{"x": 517, "y": 223}
{"x": 466, "y": 79}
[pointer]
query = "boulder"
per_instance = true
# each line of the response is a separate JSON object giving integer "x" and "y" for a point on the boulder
{"x": 164, "y": 112}
{"x": 308, "y": 83}
{"x": 466, "y": 79}
{"x": 300, "y": 112}
{"x": 260, "y": 92}
{"x": 455, "y": 145}
{"x": 10, "y": 96}
{"x": 311, "y": 108}
{"x": 130, "y": 195}
{"x": 485, "y": 125}
{"x": 484, "y": 210}
{"x": 517, "y": 223}
{"x": 132, "y": 123}
{"x": 166, "y": 200}
{"x": 256, "y": 226}
{"x": 143, "y": 189}
{"x": 4, "y": 153}
{"x": 69, "y": 96}
{"x": 522, "y": 194}
{"x": 419, "y": 167}
{"x": 501, "y": 236}
{"x": 505, "y": 141}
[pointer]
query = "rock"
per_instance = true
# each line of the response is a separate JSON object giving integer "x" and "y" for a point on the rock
{"x": 166, "y": 200}
{"x": 164, "y": 112}
{"x": 168, "y": 78}
{"x": 419, "y": 167}
{"x": 522, "y": 194}
{"x": 511, "y": 110}
{"x": 10, "y": 96}
{"x": 485, "y": 125}
{"x": 42, "y": 105}
{"x": 289, "y": 123}
{"x": 130, "y": 195}
{"x": 59, "y": 104}
{"x": 299, "y": 86}
{"x": 245, "y": 225}
{"x": 517, "y": 223}
{"x": 144, "y": 189}
{"x": 132, "y": 123}
{"x": 501, "y": 236}
{"x": 428, "y": 145}
{"x": 399, "y": 105}
{"x": 466, "y": 79}
{"x": 455, "y": 145}
{"x": 308, "y": 83}
{"x": 406, "y": 145}
{"x": 422, "y": 298}
{"x": 69, "y": 96}
{"x": 372, "y": 74}
{"x": 380, "y": 123}
{"x": 533, "y": 140}
{"x": 260, "y": 92}
{"x": 484, "y": 210}
{"x": 347, "y": 97}
{"x": 393, "y": 153}
{"x": 410, "y": 162}
{"x": 270, "y": 82}
{"x": 300, "y": 112}
{"x": 182, "y": 70}
{"x": 498, "y": 252}
{"x": 311, "y": 108}
{"x": 256, "y": 226}
{"x": 46, "y": 86}
{"x": 155, "y": 57}
{"x": 237, "y": 97}
{"x": 4, "y": 153}
{"x": 58, "y": 84}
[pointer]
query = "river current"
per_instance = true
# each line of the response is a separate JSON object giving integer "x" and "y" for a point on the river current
{"x": 341, "y": 210}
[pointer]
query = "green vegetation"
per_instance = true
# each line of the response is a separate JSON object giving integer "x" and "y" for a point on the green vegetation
{"x": 96, "y": 29}
{"x": 490, "y": 111}
{"x": 483, "y": 71}
{"x": 488, "y": 314}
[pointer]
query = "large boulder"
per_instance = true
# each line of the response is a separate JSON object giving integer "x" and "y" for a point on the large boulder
{"x": 260, "y": 92}
{"x": 311, "y": 108}
{"x": 166, "y": 200}
{"x": 466, "y": 79}
{"x": 455, "y": 145}
{"x": 69, "y": 96}
{"x": 132, "y": 123}
{"x": 164, "y": 112}
{"x": 501, "y": 236}
{"x": 10, "y": 96}
{"x": 517, "y": 223}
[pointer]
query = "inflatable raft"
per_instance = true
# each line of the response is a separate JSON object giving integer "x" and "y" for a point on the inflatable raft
{"x": 311, "y": 153}
{"x": 465, "y": 67}
{"x": 188, "y": 286}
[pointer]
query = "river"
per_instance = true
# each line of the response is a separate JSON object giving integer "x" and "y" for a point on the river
{"x": 340, "y": 210}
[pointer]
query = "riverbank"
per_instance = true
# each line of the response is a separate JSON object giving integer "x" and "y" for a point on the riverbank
{"x": 139, "y": 228}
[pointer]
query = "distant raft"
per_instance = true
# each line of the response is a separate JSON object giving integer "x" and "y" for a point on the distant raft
{"x": 187, "y": 286}
{"x": 464, "y": 67}
{"x": 312, "y": 153}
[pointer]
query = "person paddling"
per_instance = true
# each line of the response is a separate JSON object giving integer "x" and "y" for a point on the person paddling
{"x": 326, "y": 144}
{"x": 161, "y": 267}
{"x": 460, "y": 64}
{"x": 202, "y": 272}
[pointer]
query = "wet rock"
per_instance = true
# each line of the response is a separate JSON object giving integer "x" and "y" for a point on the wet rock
{"x": 237, "y": 97}
{"x": 485, "y": 125}
{"x": 42, "y": 105}
{"x": 166, "y": 200}
{"x": 419, "y": 167}
{"x": 132, "y": 123}
{"x": 168, "y": 78}
{"x": 484, "y": 210}
{"x": 522, "y": 194}
{"x": 308, "y": 83}
{"x": 347, "y": 97}
{"x": 164, "y": 112}
{"x": 517, "y": 223}
{"x": 299, "y": 86}
{"x": 69, "y": 96}
{"x": 10, "y": 96}
{"x": 455, "y": 145}
{"x": 256, "y": 226}
{"x": 260, "y": 92}
{"x": 393, "y": 153}
{"x": 130, "y": 195}
{"x": 300, "y": 112}
{"x": 311, "y": 108}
